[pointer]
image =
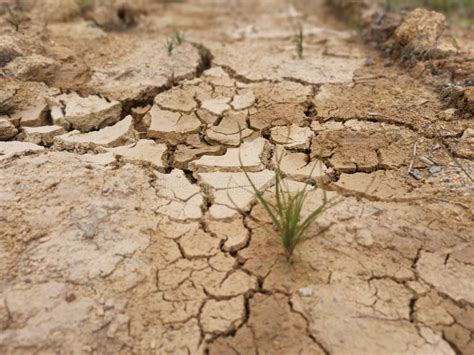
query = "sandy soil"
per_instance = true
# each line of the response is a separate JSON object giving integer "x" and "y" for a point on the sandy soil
{"x": 119, "y": 161}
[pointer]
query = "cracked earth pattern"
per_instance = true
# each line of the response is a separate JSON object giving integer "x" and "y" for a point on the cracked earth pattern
{"x": 120, "y": 170}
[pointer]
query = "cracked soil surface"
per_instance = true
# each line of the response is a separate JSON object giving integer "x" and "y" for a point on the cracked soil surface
{"x": 120, "y": 169}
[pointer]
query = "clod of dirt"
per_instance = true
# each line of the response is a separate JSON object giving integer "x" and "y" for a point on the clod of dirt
{"x": 6, "y": 97}
{"x": 292, "y": 136}
{"x": 43, "y": 135}
{"x": 113, "y": 136}
{"x": 231, "y": 129}
{"x": 7, "y": 130}
{"x": 84, "y": 113}
{"x": 248, "y": 156}
{"x": 172, "y": 127}
{"x": 216, "y": 106}
{"x": 34, "y": 67}
{"x": 233, "y": 232}
{"x": 116, "y": 17}
{"x": 177, "y": 99}
{"x": 9, "y": 50}
{"x": 182, "y": 199}
{"x": 421, "y": 34}
{"x": 144, "y": 150}
{"x": 35, "y": 116}
{"x": 185, "y": 154}
{"x": 460, "y": 97}
{"x": 9, "y": 149}
{"x": 232, "y": 190}
{"x": 243, "y": 101}
{"x": 297, "y": 166}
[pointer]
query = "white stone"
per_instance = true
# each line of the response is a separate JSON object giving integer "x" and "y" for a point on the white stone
{"x": 306, "y": 292}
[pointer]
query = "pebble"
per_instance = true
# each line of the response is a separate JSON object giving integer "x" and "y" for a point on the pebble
{"x": 306, "y": 292}
{"x": 435, "y": 169}
{"x": 89, "y": 231}
{"x": 416, "y": 174}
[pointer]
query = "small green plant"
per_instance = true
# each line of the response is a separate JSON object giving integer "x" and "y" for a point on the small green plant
{"x": 176, "y": 39}
{"x": 299, "y": 40}
{"x": 16, "y": 17}
{"x": 286, "y": 213}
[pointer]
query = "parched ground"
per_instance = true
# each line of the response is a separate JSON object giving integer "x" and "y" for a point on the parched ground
{"x": 119, "y": 173}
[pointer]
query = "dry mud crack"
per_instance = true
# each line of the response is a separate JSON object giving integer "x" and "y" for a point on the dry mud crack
{"x": 120, "y": 169}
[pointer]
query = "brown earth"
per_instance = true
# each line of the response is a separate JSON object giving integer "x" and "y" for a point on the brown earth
{"x": 120, "y": 166}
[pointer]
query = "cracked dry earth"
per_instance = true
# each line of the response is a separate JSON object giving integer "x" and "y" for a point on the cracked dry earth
{"x": 118, "y": 234}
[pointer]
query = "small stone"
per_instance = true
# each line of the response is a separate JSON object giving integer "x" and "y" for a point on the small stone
{"x": 434, "y": 169}
{"x": 416, "y": 174}
{"x": 306, "y": 292}
{"x": 368, "y": 62}
{"x": 89, "y": 231}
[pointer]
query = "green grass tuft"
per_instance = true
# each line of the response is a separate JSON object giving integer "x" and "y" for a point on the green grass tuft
{"x": 177, "y": 38}
{"x": 286, "y": 213}
{"x": 299, "y": 40}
